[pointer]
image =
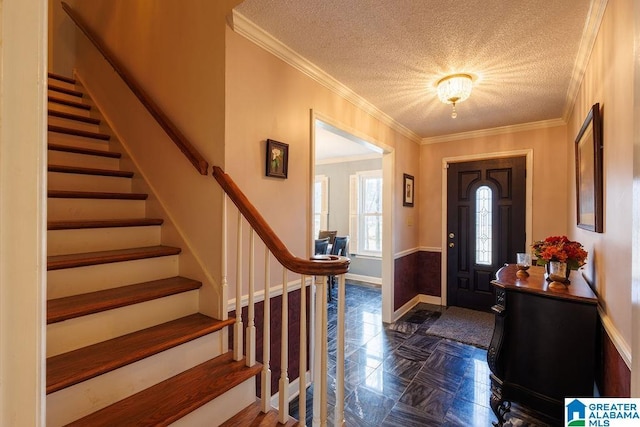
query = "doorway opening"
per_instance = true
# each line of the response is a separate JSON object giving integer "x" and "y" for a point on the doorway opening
{"x": 351, "y": 196}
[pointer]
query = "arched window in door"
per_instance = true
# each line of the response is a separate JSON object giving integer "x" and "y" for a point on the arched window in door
{"x": 484, "y": 232}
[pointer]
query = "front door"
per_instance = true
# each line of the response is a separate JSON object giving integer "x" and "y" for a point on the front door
{"x": 485, "y": 226}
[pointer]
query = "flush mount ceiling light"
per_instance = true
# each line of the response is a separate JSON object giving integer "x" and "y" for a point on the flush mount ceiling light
{"x": 453, "y": 89}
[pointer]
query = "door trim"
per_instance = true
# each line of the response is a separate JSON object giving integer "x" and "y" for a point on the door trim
{"x": 528, "y": 154}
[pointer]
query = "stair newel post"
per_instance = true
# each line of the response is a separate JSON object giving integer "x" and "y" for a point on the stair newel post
{"x": 339, "y": 409}
{"x": 237, "y": 329}
{"x": 283, "y": 389}
{"x": 266, "y": 338}
{"x": 302, "y": 401}
{"x": 251, "y": 308}
{"x": 320, "y": 354}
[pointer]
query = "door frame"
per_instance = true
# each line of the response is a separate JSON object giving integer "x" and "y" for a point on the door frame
{"x": 388, "y": 156}
{"x": 528, "y": 154}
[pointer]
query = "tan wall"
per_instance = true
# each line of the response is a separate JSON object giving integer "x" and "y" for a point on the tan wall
{"x": 549, "y": 210}
{"x": 175, "y": 49}
{"x": 22, "y": 213}
{"x": 267, "y": 98}
{"x": 609, "y": 81}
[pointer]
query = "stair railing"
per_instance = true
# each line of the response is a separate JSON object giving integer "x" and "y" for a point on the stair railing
{"x": 320, "y": 268}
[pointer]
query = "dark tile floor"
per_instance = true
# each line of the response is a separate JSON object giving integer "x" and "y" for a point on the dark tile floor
{"x": 397, "y": 375}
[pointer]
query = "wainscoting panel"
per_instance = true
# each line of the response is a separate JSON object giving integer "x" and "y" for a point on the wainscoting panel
{"x": 613, "y": 377}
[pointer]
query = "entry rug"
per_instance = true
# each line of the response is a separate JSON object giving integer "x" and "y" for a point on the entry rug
{"x": 464, "y": 325}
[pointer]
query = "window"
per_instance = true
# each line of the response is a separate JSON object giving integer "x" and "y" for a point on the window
{"x": 365, "y": 200}
{"x": 483, "y": 226}
{"x": 320, "y": 204}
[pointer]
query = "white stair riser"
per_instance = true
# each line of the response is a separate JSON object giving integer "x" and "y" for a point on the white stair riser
{"x": 77, "y": 141}
{"x": 74, "y": 241}
{"x": 60, "y": 83}
{"x": 86, "y": 182}
{"x": 80, "y": 280}
{"x": 73, "y": 124}
{"x": 94, "y": 328}
{"x": 89, "y": 396}
{"x": 64, "y": 158}
{"x": 70, "y": 209}
{"x": 222, "y": 408}
{"x": 68, "y": 109}
{"x": 66, "y": 96}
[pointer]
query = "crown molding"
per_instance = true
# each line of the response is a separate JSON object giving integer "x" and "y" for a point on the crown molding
{"x": 587, "y": 41}
{"x": 248, "y": 29}
{"x": 493, "y": 131}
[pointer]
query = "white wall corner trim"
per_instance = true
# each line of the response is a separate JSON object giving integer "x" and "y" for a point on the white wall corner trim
{"x": 405, "y": 308}
{"x": 430, "y": 299}
{"x": 406, "y": 252}
{"x": 248, "y": 29}
{"x": 493, "y": 131}
{"x": 274, "y": 291}
{"x": 430, "y": 249}
{"x": 624, "y": 349}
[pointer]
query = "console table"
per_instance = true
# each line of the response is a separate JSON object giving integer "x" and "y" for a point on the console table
{"x": 543, "y": 344}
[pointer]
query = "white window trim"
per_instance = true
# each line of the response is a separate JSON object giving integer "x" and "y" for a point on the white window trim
{"x": 323, "y": 180}
{"x": 355, "y": 210}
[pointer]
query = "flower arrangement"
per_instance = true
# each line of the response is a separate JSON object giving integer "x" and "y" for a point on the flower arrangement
{"x": 560, "y": 248}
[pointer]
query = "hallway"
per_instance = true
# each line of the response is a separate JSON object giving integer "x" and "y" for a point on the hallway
{"x": 397, "y": 375}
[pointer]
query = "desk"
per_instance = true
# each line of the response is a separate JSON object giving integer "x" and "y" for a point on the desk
{"x": 543, "y": 344}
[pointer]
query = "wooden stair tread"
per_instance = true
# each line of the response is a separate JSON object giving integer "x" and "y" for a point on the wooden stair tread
{"x": 68, "y": 103}
{"x": 75, "y": 117}
{"x": 79, "y": 365}
{"x": 86, "y": 151}
{"x": 170, "y": 400}
{"x": 107, "y": 223}
{"x": 94, "y": 302}
{"x": 62, "y": 194}
{"x": 58, "y": 262}
{"x": 90, "y": 171}
{"x": 252, "y": 416}
{"x": 66, "y": 91}
{"x": 79, "y": 132}
{"x": 61, "y": 78}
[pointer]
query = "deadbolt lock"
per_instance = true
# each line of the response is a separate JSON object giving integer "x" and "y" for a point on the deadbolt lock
{"x": 451, "y": 235}
{"x": 451, "y": 244}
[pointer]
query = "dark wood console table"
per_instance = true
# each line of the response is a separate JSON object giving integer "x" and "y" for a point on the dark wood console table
{"x": 543, "y": 344}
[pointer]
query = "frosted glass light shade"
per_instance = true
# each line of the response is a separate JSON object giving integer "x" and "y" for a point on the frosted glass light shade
{"x": 455, "y": 88}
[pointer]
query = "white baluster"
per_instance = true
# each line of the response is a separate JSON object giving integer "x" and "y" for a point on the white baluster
{"x": 224, "y": 293}
{"x": 237, "y": 329}
{"x": 283, "y": 389}
{"x": 320, "y": 356}
{"x": 251, "y": 309}
{"x": 302, "y": 396}
{"x": 339, "y": 409}
{"x": 266, "y": 339}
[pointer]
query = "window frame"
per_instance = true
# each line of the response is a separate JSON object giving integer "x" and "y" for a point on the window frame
{"x": 357, "y": 216}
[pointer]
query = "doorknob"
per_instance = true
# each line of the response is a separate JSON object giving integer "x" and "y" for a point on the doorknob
{"x": 451, "y": 235}
{"x": 451, "y": 244}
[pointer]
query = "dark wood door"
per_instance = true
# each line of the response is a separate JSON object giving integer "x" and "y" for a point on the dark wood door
{"x": 485, "y": 226}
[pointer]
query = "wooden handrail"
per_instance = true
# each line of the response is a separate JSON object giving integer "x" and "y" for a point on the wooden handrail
{"x": 320, "y": 266}
{"x": 192, "y": 154}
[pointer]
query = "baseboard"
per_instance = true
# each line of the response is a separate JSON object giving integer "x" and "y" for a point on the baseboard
{"x": 366, "y": 279}
{"x": 427, "y": 299}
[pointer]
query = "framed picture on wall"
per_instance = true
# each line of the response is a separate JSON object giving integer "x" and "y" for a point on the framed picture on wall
{"x": 409, "y": 191}
{"x": 277, "y": 159}
{"x": 589, "y": 172}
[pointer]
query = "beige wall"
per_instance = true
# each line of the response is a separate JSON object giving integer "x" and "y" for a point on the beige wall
{"x": 267, "y": 98}
{"x": 549, "y": 210}
{"x": 22, "y": 212}
{"x": 609, "y": 81}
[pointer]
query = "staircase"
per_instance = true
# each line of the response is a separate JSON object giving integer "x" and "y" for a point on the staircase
{"x": 126, "y": 344}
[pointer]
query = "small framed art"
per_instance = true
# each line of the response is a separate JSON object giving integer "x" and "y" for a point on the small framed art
{"x": 409, "y": 191}
{"x": 277, "y": 159}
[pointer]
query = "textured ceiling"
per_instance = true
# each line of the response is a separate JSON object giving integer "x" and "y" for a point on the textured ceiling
{"x": 522, "y": 54}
